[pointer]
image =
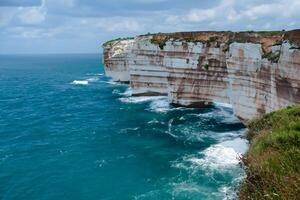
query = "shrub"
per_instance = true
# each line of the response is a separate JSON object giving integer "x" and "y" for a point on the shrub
{"x": 272, "y": 56}
{"x": 206, "y": 66}
{"x": 160, "y": 42}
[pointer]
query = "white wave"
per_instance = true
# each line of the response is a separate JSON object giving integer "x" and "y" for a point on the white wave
{"x": 127, "y": 93}
{"x": 182, "y": 118}
{"x": 141, "y": 99}
{"x": 222, "y": 156}
{"x": 217, "y": 157}
{"x": 94, "y": 74}
{"x": 80, "y": 82}
{"x": 205, "y": 115}
{"x": 239, "y": 145}
{"x": 115, "y": 91}
{"x": 92, "y": 79}
{"x": 221, "y": 137}
{"x": 154, "y": 121}
{"x": 227, "y": 193}
{"x": 160, "y": 105}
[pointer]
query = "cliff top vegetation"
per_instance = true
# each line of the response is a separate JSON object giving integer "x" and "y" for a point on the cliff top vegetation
{"x": 272, "y": 162}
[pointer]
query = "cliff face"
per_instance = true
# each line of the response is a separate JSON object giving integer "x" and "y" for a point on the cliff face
{"x": 255, "y": 72}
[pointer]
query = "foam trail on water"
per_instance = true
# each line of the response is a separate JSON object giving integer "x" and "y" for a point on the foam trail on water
{"x": 80, "y": 82}
{"x": 127, "y": 93}
{"x": 141, "y": 99}
{"x": 94, "y": 74}
{"x": 93, "y": 79}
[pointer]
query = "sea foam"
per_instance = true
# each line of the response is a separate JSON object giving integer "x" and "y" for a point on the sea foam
{"x": 160, "y": 105}
{"x": 223, "y": 155}
{"x": 80, "y": 82}
{"x": 93, "y": 79}
{"x": 140, "y": 99}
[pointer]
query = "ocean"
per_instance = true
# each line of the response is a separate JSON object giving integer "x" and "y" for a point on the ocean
{"x": 68, "y": 132}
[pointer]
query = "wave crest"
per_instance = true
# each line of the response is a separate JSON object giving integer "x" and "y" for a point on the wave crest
{"x": 80, "y": 82}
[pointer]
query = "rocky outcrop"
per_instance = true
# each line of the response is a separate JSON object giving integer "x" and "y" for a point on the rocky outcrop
{"x": 255, "y": 72}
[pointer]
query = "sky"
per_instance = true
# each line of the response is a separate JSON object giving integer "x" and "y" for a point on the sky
{"x": 81, "y": 26}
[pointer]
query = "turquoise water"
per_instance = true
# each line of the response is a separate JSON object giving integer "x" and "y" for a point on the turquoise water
{"x": 68, "y": 132}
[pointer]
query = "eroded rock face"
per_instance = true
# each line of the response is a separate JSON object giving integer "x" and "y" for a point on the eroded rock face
{"x": 255, "y": 72}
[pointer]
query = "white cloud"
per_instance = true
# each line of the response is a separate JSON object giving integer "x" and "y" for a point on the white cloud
{"x": 32, "y": 32}
{"x": 70, "y": 20}
{"x": 115, "y": 24}
{"x": 24, "y": 15}
{"x": 234, "y": 13}
{"x": 34, "y": 15}
{"x": 6, "y": 15}
{"x": 199, "y": 15}
{"x": 123, "y": 25}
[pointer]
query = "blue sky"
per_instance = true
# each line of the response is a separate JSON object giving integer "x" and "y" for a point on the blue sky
{"x": 77, "y": 26}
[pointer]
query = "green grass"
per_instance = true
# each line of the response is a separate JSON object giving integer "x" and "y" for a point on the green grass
{"x": 273, "y": 160}
{"x": 212, "y": 39}
{"x": 271, "y": 33}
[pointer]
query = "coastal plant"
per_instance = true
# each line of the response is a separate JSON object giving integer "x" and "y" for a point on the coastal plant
{"x": 272, "y": 162}
{"x": 228, "y": 43}
{"x": 206, "y": 66}
{"x": 161, "y": 42}
{"x": 271, "y": 33}
{"x": 272, "y": 56}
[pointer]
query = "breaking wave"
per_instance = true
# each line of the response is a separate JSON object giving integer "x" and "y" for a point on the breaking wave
{"x": 141, "y": 99}
{"x": 80, "y": 82}
{"x": 160, "y": 105}
{"x": 93, "y": 79}
{"x": 215, "y": 161}
{"x": 216, "y": 157}
{"x": 214, "y": 132}
{"x": 220, "y": 156}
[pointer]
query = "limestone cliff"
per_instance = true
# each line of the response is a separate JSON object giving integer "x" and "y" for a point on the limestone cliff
{"x": 255, "y": 72}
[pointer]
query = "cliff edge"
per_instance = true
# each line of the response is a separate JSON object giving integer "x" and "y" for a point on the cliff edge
{"x": 255, "y": 72}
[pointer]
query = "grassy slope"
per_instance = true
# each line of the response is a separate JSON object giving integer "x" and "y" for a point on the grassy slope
{"x": 273, "y": 160}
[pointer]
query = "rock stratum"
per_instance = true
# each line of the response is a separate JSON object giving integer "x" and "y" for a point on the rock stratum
{"x": 255, "y": 72}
